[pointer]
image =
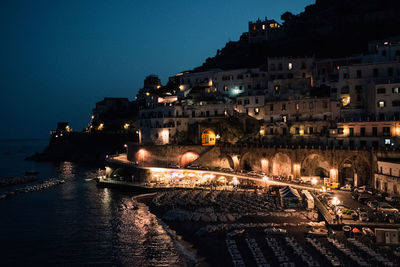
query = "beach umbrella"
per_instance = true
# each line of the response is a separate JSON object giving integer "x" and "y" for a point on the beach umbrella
{"x": 356, "y": 231}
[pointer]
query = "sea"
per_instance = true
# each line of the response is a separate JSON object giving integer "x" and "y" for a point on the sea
{"x": 77, "y": 223}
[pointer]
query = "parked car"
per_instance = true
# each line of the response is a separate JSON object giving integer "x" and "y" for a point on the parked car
{"x": 392, "y": 199}
{"x": 360, "y": 189}
{"x": 373, "y": 204}
{"x": 347, "y": 187}
{"x": 363, "y": 216}
{"x": 386, "y": 207}
{"x": 367, "y": 232}
{"x": 363, "y": 198}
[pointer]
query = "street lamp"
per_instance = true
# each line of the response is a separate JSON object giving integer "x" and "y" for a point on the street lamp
{"x": 335, "y": 202}
{"x": 265, "y": 180}
{"x": 314, "y": 182}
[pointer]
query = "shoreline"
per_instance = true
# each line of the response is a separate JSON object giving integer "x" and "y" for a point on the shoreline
{"x": 186, "y": 249}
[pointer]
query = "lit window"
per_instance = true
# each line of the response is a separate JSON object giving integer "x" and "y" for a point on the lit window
{"x": 381, "y": 104}
{"x": 225, "y": 88}
{"x": 290, "y": 66}
{"x": 297, "y": 106}
{"x": 256, "y": 111}
{"x": 395, "y": 90}
{"x": 284, "y": 118}
{"x": 263, "y": 27}
{"x": 276, "y": 88}
{"x": 387, "y": 141}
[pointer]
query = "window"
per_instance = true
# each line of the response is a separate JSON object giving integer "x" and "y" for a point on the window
{"x": 208, "y": 113}
{"x": 225, "y": 88}
{"x": 290, "y": 66}
{"x": 280, "y": 66}
{"x": 387, "y": 141}
{"x": 362, "y": 131}
{"x": 276, "y": 88}
{"x": 310, "y": 130}
{"x": 297, "y": 130}
{"x": 381, "y": 104}
{"x": 324, "y": 105}
{"x": 283, "y": 107}
{"x": 359, "y": 74}
{"x": 271, "y": 130}
{"x": 193, "y": 114}
{"x": 340, "y": 131}
{"x": 351, "y": 131}
{"x": 256, "y": 100}
{"x": 395, "y": 90}
{"x": 386, "y": 131}
{"x": 272, "y": 67}
{"x": 246, "y": 101}
{"x": 256, "y": 111}
{"x": 381, "y": 90}
{"x": 290, "y": 75}
{"x": 271, "y": 119}
{"x": 239, "y": 102}
{"x": 358, "y": 89}
{"x": 390, "y": 71}
{"x": 375, "y": 72}
{"x": 396, "y": 103}
{"x": 284, "y": 118}
{"x": 297, "y": 106}
{"x": 374, "y": 131}
{"x": 226, "y": 112}
{"x": 303, "y": 65}
{"x": 311, "y": 105}
{"x": 215, "y": 112}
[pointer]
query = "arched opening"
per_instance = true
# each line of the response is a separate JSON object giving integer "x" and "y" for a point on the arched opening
{"x": 250, "y": 162}
{"x": 281, "y": 165}
{"x": 188, "y": 158}
{"x": 227, "y": 162}
{"x": 315, "y": 165}
{"x": 355, "y": 171}
{"x": 120, "y": 174}
{"x": 346, "y": 173}
{"x": 208, "y": 138}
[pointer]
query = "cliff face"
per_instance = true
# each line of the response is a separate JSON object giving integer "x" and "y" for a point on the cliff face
{"x": 329, "y": 28}
{"x": 84, "y": 147}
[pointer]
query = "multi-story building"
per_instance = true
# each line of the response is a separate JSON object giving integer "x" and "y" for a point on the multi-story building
{"x": 167, "y": 123}
{"x": 366, "y": 134}
{"x": 290, "y": 74}
{"x": 387, "y": 177}
{"x": 264, "y": 30}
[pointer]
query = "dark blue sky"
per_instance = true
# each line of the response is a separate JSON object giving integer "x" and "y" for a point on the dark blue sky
{"x": 58, "y": 58}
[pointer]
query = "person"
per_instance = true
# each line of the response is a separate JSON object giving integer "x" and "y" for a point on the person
{"x": 341, "y": 218}
{"x": 337, "y": 218}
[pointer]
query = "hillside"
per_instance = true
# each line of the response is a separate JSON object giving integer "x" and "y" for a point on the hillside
{"x": 329, "y": 28}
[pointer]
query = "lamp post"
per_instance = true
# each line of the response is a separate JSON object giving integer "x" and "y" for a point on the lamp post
{"x": 335, "y": 202}
{"x": 314, "y": 182}
{"x": 265, "y": 180}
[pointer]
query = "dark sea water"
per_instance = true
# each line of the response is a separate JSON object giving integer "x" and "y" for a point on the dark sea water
{"x": 75, "y": 223}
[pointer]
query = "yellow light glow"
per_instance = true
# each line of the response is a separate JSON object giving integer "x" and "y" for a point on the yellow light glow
{"x": 398, "y": 131}
{"x": 301, "y": 131}
{"x": 158, "y": 86}
{"x": 181, "y": 87}
{"x": 126, "y": 126}
{"x": 345, "y": 131}
{"x": 345, "y": 100}
{"x": 314, "y": 181}
{"x": 100, "y": 127}
{"x": 210, "y": 83}
{"x": 92, "y": 117}
{"x": 147, "y": 93}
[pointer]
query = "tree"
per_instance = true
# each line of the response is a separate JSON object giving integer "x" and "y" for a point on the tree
{"x": 287, "y": 16}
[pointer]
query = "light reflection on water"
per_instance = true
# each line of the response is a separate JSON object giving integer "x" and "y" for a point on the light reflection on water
{"x": 79, "y": 224}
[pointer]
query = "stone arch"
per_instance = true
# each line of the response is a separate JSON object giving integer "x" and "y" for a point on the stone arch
{"x": 355, "y": 170}
{"x": 227, "y": 162}
{"x": 250, "y": 162}
{"x": 281, "y": 164}
{"x": 315, "y": 165}
{"x": 187, "y": 158}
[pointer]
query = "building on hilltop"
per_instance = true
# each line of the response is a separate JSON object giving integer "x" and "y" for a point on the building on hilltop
{"x": 264, "y": 30}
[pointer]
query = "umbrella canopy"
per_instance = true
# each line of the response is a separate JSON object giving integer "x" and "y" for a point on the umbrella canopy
{"x": 355, "y": 230}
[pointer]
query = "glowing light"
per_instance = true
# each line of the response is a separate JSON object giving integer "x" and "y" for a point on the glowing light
{"x": 335, "y": 201}
{"x": 235, "y": 181}
{"x": 314, "y": 181}
{"x": 126, "y": 126}
{"x": 301, "y": 131}
{"x": 210, "y": 83}
{"x": 125, "y": 145}
{"x": 100, "y": 127}
{"x": 208, "y": 138}
{"x": 92, "y": 117}
{"x": 265, "y": 179}
{"x": 181, "y": 87}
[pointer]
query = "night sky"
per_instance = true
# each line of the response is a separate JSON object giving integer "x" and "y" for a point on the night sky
{"x": 58, "y": 58}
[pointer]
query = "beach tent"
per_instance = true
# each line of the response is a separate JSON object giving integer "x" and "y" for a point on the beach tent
{"x": 289, "y": 197}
